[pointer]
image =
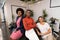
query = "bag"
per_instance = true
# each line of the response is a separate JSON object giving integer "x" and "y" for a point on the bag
{"x": 16, "y": 35}
{"x": 40, "y": 37}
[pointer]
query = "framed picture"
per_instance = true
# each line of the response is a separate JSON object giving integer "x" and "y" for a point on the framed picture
{"x": 54, "y": 3}
{"x": 13, "y": 10}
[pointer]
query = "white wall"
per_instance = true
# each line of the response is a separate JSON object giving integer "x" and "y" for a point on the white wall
{"x": 7, "y": 9}
{"x": 45, "y": 4}
{"x": 37, "y": 8}
{"x": 52, "y": 12}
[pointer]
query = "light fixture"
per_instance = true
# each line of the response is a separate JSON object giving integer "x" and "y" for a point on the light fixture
{"x": 30, "y": 1}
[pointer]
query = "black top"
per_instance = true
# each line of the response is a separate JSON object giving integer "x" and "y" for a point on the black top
{"x": 21, "y": 25}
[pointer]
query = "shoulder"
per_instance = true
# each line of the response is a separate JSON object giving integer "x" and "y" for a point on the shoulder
{"x": 46, "y": 23}
{"x": 37, "y": 23}
{"x": 17, "y": 18}
{"x": 24, "y": 19}
{"x": 31, "y": 18}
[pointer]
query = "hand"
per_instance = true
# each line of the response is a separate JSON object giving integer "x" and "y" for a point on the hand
{"x": 39, "y": 33}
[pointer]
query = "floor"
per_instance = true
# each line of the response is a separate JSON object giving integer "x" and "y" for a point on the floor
{"x": 58, "y": 37}
{"x": 1, "y": 36}
{"x": 4, "y": 31}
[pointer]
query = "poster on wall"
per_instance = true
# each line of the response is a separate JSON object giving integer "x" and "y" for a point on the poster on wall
{"x": 13, "y": 10}
{"x": 54, "y": 3}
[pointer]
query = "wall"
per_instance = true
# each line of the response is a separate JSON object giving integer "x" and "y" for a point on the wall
{"x": 45, "y": 4}
{"x": 52, "y": 12}
{"x": 7, "y": 9}
{"x": 37, "y": 8}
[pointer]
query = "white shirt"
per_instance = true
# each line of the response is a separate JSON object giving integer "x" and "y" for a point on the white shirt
{"x": 44, "y": 28}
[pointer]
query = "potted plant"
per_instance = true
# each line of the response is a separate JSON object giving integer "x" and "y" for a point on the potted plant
{"x": 44, "y": 14}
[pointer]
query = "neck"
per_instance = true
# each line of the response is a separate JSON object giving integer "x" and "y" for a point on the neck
{"x": 19, "y": 16}
{"x": 42, "y": 23}
{"x": 27, "y": 16}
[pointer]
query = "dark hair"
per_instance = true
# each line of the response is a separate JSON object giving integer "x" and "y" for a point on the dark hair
{"x": 28, "y": 10}
{"x": 20, "y": 9}
{"x": 40, "y": 17}
{"x": 31, "y": 12}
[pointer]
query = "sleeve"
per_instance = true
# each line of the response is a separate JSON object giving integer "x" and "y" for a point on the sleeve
{"x": 25, "y": 25}
{"x": 48, "y": 26}
{"x": 37, "y": 25}
{"x": 33, "y": 23}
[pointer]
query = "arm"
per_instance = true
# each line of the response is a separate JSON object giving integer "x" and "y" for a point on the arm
{"x": 26, "y": 25}
{"x": 49, "y": 31}
{"x": 33, "y": 24}
{"x": 48, "y": 28}
{"x": 39, "y": 33}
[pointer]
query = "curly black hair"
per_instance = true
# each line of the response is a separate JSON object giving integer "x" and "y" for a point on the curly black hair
{"x": 20, "y": 9}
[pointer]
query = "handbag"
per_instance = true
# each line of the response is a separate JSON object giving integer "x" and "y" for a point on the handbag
{"x": 39, "y": 36}
{"x": 16, "y": 34}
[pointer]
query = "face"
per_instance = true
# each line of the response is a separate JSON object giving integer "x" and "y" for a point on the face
{"x": 19, "y": 13}
{"x": 28, "y": 13}
{"x": 41, "y": 19}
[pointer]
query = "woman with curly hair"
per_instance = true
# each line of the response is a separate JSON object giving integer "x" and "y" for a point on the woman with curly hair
{"x": 19, "y": 31}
